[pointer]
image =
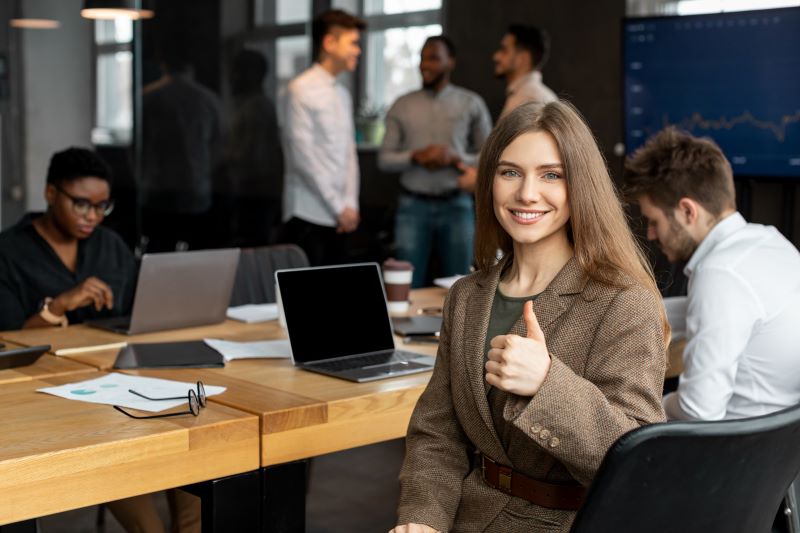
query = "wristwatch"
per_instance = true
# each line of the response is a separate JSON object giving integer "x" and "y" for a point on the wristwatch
{"x": 49, "y": 317}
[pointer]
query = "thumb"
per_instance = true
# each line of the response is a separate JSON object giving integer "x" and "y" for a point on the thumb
{"x": 534, "y": 330}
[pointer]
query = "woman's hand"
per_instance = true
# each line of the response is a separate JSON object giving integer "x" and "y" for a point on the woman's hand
{"x": 413, "y": 528}
{"x": 92, "y": 291}
{"x": 517, "y": 364}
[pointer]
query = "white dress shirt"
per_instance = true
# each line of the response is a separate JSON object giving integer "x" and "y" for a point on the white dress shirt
{"x": 742, "y": 356}
{"x": 322, "y": 175}
{"x": 528, "y": 88}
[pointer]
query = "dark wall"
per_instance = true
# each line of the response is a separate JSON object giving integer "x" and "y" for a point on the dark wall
{"x": 191, "y": 26}
{"x": 584, "y": 65}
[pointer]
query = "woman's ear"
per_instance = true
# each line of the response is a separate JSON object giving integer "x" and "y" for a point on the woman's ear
{"x": 50, "y": 194}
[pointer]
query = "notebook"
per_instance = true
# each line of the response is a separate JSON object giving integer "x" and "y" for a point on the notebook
{"x": 338, "y": 323}
{"x": 178, "y": 290}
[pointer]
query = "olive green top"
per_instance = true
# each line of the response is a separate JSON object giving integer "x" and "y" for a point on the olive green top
{"x": 506, "y": 310}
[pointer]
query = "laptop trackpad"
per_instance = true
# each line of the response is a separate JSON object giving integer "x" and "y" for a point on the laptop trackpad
{"x": 392, "y": 368}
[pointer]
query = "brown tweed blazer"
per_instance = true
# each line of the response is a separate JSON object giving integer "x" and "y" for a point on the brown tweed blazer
{"x": 606, "y": 378}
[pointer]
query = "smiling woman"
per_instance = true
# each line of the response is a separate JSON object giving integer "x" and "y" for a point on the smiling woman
{"x": 541, "y": 365}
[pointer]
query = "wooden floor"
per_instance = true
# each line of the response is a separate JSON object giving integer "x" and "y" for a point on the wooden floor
{"x": 354, "y": 490}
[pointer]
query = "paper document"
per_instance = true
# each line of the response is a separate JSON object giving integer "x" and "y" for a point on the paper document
{"x": 448, "y": 281}
{"x": 676, "y": 315}
{"x": 113, "y": 389}
{"x": 253, "y": 313}
{"x": 276, "y": 349}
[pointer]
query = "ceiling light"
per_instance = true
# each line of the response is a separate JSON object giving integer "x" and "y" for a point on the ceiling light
{"x": 112, "y": 9}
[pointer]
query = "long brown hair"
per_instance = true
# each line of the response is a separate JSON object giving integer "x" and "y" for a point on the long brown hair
{"x": 598, "y": 226}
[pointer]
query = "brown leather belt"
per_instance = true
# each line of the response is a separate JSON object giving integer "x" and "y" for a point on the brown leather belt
{"x": 550, "y": 495}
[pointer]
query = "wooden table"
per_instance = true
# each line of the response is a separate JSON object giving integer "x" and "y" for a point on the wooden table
{"x": 294, "y": 414}
{"x": 46, "y": 366}
{"x": 58, "y": 454}
{"x": 80, "y": 338}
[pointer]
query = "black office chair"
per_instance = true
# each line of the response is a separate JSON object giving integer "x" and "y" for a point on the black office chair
{"x": 255, "y": 281}
{"x": 790, "y": 507}
{"x": 699, "y": 477}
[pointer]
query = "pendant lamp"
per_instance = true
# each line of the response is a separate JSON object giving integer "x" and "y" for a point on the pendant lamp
{"x": 111, "y": 9}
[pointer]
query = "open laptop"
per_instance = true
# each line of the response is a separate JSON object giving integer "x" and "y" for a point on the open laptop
{"x": 178, "y": 290}
{"x": 339, "y": 325}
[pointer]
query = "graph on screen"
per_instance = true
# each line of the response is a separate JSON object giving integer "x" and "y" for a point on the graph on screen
{"x": 734, "y": 77}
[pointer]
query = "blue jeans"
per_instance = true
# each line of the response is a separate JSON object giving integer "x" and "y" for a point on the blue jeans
{"x": 449, "y": 224}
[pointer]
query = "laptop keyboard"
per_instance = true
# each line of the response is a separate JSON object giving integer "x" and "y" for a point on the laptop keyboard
{"x": 363, "y": 361}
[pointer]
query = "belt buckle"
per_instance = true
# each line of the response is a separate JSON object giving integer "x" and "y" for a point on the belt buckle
{"x": 504, "y": 478}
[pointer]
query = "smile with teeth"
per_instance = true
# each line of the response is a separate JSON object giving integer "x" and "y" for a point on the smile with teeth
{"x": 528, "y": 216}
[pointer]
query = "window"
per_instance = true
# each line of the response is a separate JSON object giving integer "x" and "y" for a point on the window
{"x": 389, "y": 66}
{"x": 392, "y": 67}
{"x": 396, "y": 31}
{"x": 698, "y": 7}
{"x": 113, "y": 122}
{"x": 281, "y": 33}
{"x": 389, "y": 7}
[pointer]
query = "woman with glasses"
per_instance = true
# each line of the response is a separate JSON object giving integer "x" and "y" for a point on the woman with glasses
{"x": 62, "y": 266}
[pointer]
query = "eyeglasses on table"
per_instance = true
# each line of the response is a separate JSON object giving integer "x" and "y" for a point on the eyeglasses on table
{"x": 197, "y": 399}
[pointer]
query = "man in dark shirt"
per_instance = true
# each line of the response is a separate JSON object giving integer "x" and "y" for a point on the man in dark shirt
{"x": 62, "y": 266}
{"x": 181, "y": 146}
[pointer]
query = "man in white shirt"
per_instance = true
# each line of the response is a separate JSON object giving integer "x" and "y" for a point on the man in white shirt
{"x": 742, "y": 356}
{"x": 519, "y": 60}
{"x": 320, "y": 199}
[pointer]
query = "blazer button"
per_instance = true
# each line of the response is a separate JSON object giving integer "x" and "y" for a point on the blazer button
{"x": 536, "y": 428}
{"x": 554, "y": 442}
{"x": 545, "y": 434}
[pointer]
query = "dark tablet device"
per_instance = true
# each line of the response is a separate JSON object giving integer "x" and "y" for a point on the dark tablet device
{"x": 185, "y": 354}
{"x": 22, "y": 356}
{"x": 411, "y": 326}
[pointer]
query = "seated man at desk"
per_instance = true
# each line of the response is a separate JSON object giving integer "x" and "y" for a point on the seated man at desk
{"x": 743, "y": 340}
{"x": 62, "y": 266}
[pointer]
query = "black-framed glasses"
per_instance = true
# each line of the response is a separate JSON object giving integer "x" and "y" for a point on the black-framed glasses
{"x": 81, "y": 206}
{"x": 197, "y": 400}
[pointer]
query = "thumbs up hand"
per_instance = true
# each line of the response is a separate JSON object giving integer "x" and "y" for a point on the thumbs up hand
{"x": 517, "y": 364}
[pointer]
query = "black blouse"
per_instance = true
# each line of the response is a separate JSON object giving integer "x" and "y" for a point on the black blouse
{"x": 30, "y": 271}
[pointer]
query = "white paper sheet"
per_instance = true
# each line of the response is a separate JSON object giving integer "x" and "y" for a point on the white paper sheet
{"x": 253, "y": 313}
{"x": 447, "y": 282}
{"x": 676, "y": 315}
{"x": 113, "y": 389}
{"x": 275, "y": 349}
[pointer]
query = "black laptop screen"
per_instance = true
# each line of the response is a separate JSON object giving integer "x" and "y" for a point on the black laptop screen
{"x": 336, "y": 311}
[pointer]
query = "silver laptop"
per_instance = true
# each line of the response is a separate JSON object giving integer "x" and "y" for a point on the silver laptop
{"x": 338, "y": 323}
{"x": 178, "y": 290}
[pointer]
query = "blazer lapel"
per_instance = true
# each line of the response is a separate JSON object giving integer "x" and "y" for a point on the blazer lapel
{"x": 551, "y": 303}
{"x": 477, "y": 316}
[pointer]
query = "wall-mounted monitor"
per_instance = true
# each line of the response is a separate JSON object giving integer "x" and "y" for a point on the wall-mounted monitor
{"x": 734, "y": 77}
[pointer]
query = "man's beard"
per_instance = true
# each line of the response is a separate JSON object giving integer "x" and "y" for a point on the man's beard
{"x": 681, "y": 244}
{"x": 434, "y": 82}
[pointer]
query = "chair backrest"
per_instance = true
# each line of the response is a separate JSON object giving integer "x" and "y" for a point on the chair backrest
{"x": 695, "y": 477}
{"x": 255, "y": 280}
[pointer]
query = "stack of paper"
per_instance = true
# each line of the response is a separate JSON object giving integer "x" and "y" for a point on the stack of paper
{"x": 253, "y": 313}
{"x": 230, "y": 350}
{"x": 447, "y": 282}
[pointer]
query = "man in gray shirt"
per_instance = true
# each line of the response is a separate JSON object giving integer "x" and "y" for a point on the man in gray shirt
{"x": 429, "y": 134}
